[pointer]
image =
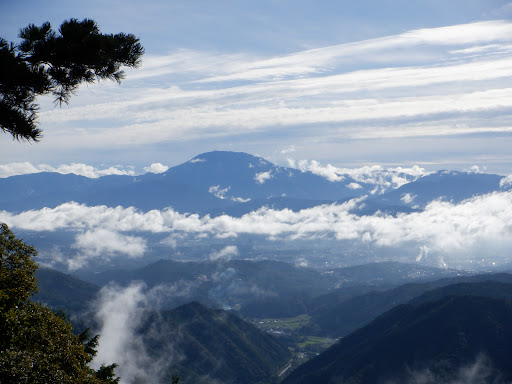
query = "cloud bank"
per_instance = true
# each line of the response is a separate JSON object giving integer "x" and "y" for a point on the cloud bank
{"x": 383, "y": 178}
{"x": 475, "y": 229}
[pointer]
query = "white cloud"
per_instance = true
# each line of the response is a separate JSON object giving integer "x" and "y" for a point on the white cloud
{"x": 103, "y": 243}
{"x": 156, "y": 168}
{"x": 13, "y": 169}
{"x": 290, "y": 149}
{"x": 472, "y": 33}
{"x": 316, "y": 60}
{"x": 382, "y": 178}
{"x": 457, "y": 231}
{"x": 219, "y": 192}
{"x": 90, "y": 171}
{"x": 506, "y": 181}
{"x": 262, "y": 177}
{"x": 225, "y": 253}
{"x": 478, "y": 372}
{"x": 329, "y": 172}
{"x": 439, "y": 75}
{"x": 241, "y": 199}
{"x": 119, "y": 311}
{"x": 407, "y": 198}
{"x": 198, "y": 160}
{"x": 354, "y": 186}
{"x": 475, "y": 169}
{"x": 423, "y": 253}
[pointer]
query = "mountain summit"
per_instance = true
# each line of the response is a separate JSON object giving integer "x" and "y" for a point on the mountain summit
{"x": 209, "y": 181}
{"x": 236, "y": 183}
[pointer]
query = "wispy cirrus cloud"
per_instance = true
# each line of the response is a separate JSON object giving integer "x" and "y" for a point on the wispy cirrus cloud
{"x": 422, "y": 76}
{"x": 431, "y": 84}
{"x": 232, "y": 67}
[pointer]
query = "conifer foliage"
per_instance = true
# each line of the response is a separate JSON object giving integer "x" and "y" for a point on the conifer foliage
{"x": 49, "y": 62}
{"x": 38, "y": 346}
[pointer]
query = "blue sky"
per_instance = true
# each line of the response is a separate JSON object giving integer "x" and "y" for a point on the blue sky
{"x": 377, "y": 82}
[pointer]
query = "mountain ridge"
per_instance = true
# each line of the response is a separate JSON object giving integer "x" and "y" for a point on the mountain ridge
{"x": 440, "y": 336}
{"x": 236, "y": 182}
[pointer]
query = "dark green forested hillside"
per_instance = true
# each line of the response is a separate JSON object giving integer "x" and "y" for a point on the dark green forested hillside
{"x": 489, "y": 288}
{"x": 233, "y": 283}
{"x": 211, "y": 345}
{"x": 434, "y": 338}
{"x": 60, "y": 291}
{"x": 333, "y": 317}
{"x": 208, "y": 344}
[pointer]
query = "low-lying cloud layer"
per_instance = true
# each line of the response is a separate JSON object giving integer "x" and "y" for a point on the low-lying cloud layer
{"x": 480, "y": 372}
{"x": 120, "y": 312}
{"x": 225, "y": 253}
{"x": 383, "y": 178}
{"x": 453, "y": 233}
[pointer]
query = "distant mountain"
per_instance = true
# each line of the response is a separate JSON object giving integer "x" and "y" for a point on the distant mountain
{"x": 234, "y": 183}
{"x": 246, "y": 176}
{"x": 210, "y": 181}
{"x": 389, "y": 273}
{"x": 207, "y": 344}
{"x": 213, "y": 346}
{"x": 222, "y": 283}
{"x": 258, "y": 289}
{"x": 38, "y": 190}
{"x": 446, "y": 185}
{"x": 351, "y": 282}
{"x": 488, "y": 288}
{"x": 334, "y": 315}
{"x": 61, "y": 291}
{"x": 463, "y": 339}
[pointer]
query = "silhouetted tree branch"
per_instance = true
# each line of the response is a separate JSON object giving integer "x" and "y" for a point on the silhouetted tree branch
{"x": 57, "y": 62}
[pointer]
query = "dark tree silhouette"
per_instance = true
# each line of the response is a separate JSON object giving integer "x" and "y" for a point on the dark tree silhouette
{"x": 47, "y": 62}
{"x": 38, "y": 346}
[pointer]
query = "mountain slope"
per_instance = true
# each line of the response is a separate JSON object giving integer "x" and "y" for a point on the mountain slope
{"x": 61, "y": 291}
{"x": 449, "y": 186}
{"x": 222, "y": 283}
{"x": 440, "y": 336}
{"x": 214, "y": 345}
{"x": 335, "y": 318}
{"x": 210, "y": 181}
{"x": 236, "y": 183}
